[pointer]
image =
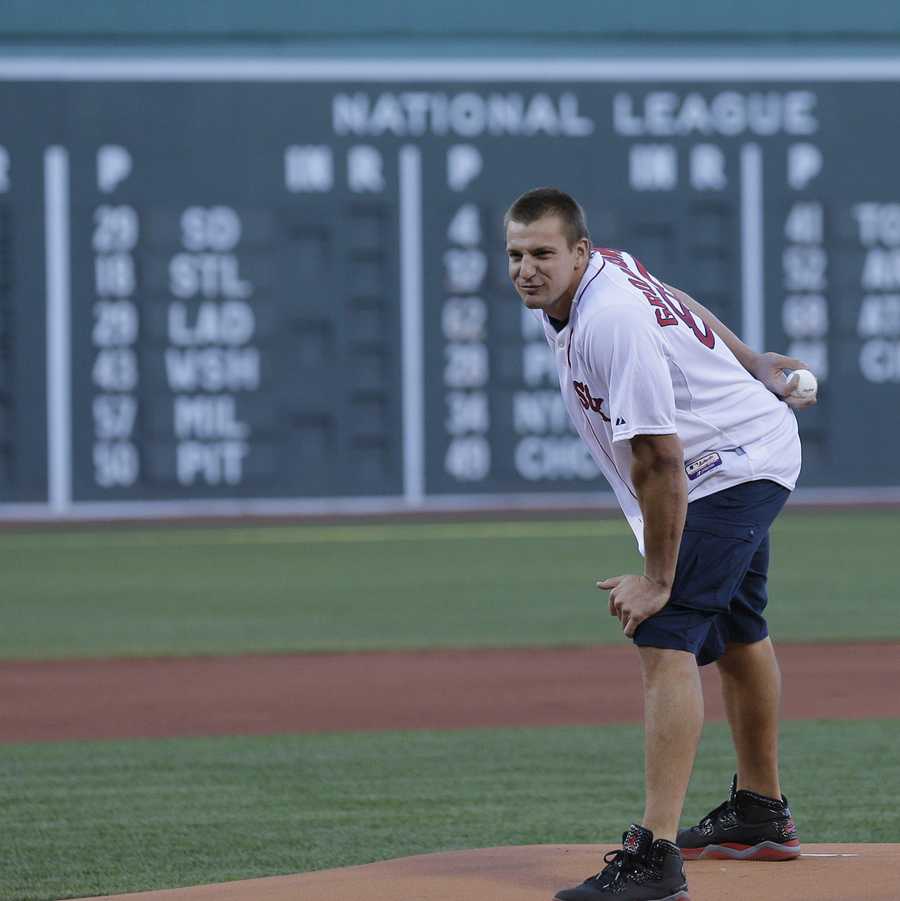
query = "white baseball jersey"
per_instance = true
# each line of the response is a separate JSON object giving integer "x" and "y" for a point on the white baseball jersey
{"x": 632, "y": 360}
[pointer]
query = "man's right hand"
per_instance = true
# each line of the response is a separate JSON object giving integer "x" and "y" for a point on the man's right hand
{"x": 769, "y": 368}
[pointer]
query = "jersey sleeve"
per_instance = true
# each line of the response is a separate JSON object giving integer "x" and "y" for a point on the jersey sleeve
{"x": 626, "y": 350}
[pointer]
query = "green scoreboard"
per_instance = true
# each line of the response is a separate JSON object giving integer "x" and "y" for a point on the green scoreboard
{"x": 236, "y": 285}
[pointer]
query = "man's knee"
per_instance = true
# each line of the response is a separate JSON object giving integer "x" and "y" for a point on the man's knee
{"x": 739, "y": 656}
{"x": 663, "y": 662}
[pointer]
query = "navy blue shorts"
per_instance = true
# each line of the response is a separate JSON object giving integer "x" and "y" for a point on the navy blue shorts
{"x": 719, "y": 593}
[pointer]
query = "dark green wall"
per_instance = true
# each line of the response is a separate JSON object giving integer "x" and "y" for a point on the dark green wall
{"x": 212, "y": 142}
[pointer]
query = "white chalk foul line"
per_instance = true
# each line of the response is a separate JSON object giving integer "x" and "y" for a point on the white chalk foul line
{"x": 823, "y": 854}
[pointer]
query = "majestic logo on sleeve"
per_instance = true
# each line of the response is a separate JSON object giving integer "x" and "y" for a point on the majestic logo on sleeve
{"x": 595, "y": 404}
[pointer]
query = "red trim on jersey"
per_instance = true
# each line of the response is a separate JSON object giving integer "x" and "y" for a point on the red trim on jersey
{"x": 608, "y": 457}
{"x": 602, "y": 251}
{"x": 580, "y": 295}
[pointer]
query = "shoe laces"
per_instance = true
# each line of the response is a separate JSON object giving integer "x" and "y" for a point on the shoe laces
{"x": 620, "y": 866}
{"x": 614, "y": 861}
{"x": 725, "y": 807}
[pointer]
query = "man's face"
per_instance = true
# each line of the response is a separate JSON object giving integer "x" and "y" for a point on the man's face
{"x": 542, "y": 266}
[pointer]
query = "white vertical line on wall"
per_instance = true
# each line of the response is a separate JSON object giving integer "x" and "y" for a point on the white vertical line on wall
{"x": 413, "y": 343}
{"x": 753, "y": 326}
{"x": 59, "y": 369}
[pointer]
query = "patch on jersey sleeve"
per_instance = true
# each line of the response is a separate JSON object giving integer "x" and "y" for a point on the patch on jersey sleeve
{"x": 701, "y": 465}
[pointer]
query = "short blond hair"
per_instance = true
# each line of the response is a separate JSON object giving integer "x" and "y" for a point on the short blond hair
{"x": 540, "y": 202}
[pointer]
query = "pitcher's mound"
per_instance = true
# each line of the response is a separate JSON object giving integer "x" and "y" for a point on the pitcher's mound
{"x": 536, "y": 872}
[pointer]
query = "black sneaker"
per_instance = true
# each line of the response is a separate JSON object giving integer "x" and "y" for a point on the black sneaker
{"x": 746, "y": 827}
{"x": 644, "y": 870}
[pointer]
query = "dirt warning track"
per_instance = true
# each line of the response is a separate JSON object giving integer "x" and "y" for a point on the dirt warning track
{"x": 254, "y": 695}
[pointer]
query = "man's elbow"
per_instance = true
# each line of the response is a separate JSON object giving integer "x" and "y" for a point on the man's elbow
{"x": 655, "y": 457}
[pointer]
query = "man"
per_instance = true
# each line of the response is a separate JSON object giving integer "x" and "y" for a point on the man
{"x": 695, "y": 434}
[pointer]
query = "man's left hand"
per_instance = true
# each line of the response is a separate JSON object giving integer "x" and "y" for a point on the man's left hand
{"x": 633, "y": 599}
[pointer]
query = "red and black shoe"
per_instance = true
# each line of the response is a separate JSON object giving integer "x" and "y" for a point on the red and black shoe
{"x": 643, "y": 870}
{"x": 747, "y": 826}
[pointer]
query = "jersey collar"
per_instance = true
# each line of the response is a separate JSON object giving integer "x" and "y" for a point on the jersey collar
{"x": 592, "y": 270}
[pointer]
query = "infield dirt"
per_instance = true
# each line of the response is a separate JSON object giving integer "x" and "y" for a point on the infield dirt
{"x": 536, "y": 872}
{"x": 260, "y": 695}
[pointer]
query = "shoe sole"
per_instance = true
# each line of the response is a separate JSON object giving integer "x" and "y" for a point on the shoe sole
{"x": 732, "y": 851}
{"x": 678, "y": 896}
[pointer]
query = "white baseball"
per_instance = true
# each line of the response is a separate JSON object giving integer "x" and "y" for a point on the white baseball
{"x": 807, "y": 386}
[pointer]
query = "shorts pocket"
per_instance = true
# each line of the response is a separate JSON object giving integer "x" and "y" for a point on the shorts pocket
{"x": 713, "y": 559}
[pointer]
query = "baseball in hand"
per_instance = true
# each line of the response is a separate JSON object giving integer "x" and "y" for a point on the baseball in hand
{"x": 806, "y": 386}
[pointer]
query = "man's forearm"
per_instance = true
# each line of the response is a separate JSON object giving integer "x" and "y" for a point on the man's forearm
{"x": 662, "y": 493}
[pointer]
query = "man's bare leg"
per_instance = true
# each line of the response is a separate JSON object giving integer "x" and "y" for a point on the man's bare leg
{"x": 673, "y": 720}
{"x": 751, "y": 688}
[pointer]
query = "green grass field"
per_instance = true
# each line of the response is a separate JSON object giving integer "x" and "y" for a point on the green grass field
{"x": 95, "y": 818}
{"x": 179, "y": 590}
{"x": 85, "y": 818}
